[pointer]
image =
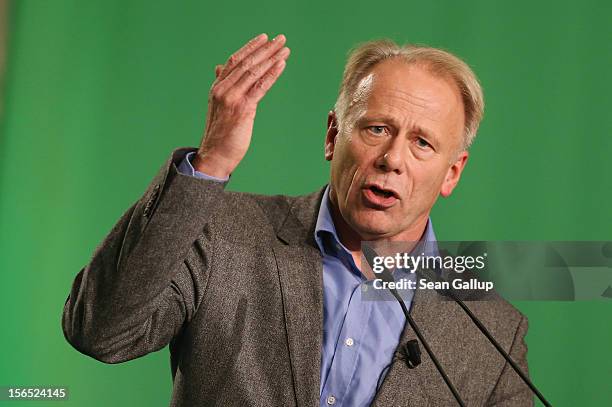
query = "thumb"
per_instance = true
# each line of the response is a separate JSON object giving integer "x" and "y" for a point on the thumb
{"x": 218, "y": 70}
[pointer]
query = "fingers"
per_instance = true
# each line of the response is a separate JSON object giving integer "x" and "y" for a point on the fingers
{"x": 263, "y": 84}
{"x": 251, "y": 61}
{"x": 256, "y": 72}
{"x": 250, "y": 72}
{"x": 243, "y": 52}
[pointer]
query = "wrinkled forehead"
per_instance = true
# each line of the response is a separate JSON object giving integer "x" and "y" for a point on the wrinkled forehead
{"x": 409, "y": 87}
{"x": 395, "y": 76}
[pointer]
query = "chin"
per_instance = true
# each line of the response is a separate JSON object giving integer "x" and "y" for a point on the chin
{"x": 373, "y": 225}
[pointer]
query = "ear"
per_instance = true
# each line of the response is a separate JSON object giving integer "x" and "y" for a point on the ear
{"x": 453, "y": 174}
{"x": 330, "y": 136}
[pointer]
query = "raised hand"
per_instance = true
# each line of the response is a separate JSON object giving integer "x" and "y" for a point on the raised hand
{"x": 240, "y": 84}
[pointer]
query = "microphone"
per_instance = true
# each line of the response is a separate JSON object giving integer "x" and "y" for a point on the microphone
{"x": 411, "y": 349}
{"x": 433, "y": 276}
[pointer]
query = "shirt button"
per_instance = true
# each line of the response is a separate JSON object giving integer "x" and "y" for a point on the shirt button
{"x": 331, "y": 400}
{"x": 349, "y": 342}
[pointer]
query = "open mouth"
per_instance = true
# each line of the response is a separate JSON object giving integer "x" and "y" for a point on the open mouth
{"x": 383, "y": 193}
{"x": 379, "y": 198}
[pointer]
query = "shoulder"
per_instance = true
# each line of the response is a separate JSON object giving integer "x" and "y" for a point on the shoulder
{"x": 256, "y": 215}
{"x": 502, "y": 319}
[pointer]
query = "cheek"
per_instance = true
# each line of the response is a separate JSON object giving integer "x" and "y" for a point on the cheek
{"x": 348, "y": 170}
{"x": 427, "y": 182}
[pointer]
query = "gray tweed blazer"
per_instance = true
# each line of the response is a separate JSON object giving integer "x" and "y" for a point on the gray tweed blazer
{"x": 233, "y": 283}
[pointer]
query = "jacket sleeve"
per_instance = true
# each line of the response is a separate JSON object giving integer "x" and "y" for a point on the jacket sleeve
{"x": 510, "y": 389}
{"x": 145, "y": 280}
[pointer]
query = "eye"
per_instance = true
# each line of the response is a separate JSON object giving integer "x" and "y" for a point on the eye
{"x": 377, "y": 130}
{"x": 422, "y": 143}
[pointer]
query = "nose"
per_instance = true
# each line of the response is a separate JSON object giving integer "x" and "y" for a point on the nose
{"x": 392, "y": 157}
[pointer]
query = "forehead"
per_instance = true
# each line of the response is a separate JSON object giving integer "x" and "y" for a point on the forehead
{"x": 411, "y": 94}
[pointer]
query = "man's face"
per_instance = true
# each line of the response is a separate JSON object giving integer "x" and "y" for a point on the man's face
{"x": 402, "y": 148}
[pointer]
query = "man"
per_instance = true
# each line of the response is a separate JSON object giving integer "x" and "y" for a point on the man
{"x": 259, "y": 297}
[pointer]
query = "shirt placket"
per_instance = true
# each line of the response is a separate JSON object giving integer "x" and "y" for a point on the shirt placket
{"x": 346, "y": 352}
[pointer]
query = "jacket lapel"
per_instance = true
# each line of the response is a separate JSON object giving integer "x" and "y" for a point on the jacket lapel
{"x": 421, "y": 386}
{"x": 301, "y": 280}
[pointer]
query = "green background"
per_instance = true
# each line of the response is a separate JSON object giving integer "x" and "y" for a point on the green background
{"x": 99, "y": 93}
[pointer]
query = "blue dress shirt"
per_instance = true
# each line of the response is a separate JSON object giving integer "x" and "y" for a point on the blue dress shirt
{"x": 359, "y": 335}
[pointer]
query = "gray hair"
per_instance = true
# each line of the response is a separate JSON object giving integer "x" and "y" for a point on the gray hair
{"x": 363, "y": 57}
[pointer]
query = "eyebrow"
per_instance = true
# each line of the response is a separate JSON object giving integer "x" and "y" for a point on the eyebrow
{"x": 393, "y": 122}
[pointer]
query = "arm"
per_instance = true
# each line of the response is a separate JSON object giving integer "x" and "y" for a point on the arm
{"x": 147, "y": 278}
{"x": 510, "y": 389}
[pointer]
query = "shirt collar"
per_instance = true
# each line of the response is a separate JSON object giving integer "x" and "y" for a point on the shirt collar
{"x": 327, "y": 238}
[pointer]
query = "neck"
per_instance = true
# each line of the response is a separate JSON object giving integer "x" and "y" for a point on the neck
{"x": 351, "y": 239}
